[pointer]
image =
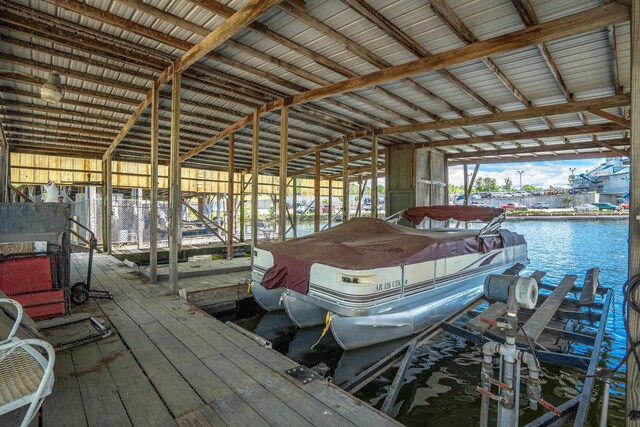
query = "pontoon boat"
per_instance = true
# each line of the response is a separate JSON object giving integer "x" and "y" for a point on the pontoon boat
{"x": 375, "y": 280}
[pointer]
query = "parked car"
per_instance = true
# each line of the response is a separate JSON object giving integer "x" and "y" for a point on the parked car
{"x": 540, "y": 205}
{"x": 303, "y": 209}
{"x": 607, "y": 206}
{"x": 625, "y": 205}
{"x": 514, "y": 207}
{"x": 325, "y": 209}
{"x": 482, "y": 204}
{"x": 586, "y": 208}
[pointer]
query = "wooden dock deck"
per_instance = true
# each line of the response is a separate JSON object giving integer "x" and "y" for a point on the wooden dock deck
{"x": 169, "y": 363}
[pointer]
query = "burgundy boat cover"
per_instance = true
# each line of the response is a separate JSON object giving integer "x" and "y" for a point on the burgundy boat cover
{"x": 368, "y": 243}
{"x": 446, "y": 212}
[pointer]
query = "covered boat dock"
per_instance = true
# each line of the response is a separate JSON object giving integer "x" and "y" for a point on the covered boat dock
{"x": 169, "y": 363}
{"x": 205, "y": 112}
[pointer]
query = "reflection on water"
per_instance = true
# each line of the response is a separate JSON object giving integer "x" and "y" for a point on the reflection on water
{"x": 439, "y": 388}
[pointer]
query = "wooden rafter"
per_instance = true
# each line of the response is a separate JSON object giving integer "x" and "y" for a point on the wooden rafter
{"x": 619, "y": 142}
{"x": 455, "y": 24}
{"x": 153, "y": 34}
{"x": 533, "y": 135}
{"x": 529, "y": 18}
{"x": 537, "y": 157}
{"x": 525, "y": 113}
{"x": 312, "y": 114}
{"x": 562, "y": 27}
{"x": 228, "y": 28}
{"x": 612, "y": 118}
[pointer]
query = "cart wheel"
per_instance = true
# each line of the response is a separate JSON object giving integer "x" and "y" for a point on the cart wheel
{"x": 79, "y": 293}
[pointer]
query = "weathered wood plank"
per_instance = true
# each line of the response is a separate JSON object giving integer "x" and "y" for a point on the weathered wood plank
{"x": 64, "y": 406}
{"x": 590, "y": 286}
{"x": 174, "y": 390}
{"x": 201, "y": 417}
{"x": 244, "y": 373}
{"x": 143, "y": 405}
{"x": 334, "y": 398}
{"x": 100, "y": 398}
{"x": 175, "y": 353}
{"x": 543, "y": 314}
{"x": 211, "y": 389}
{"x": 493, "y": 312}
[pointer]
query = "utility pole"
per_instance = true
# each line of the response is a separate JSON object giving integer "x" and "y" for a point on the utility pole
{"x": 521, "y": 195}
{"x": 520, "y": 173}
{"x": 573, "y": 191}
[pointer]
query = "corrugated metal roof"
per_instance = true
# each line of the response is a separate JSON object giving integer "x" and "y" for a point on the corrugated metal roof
{"x": 211, "y": 99}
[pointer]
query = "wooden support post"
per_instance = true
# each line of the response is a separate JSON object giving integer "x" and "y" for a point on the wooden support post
{"x": 374, "y": 175}
{"x": 5, "y": 169}
{"x": 153, "y": 207}
{"x": 141, "y": 213}
{"x": 107, "y": 204}
{"x": 230, "y": 197}
{"x": 316, "y": 194}
{"x": 473, "y": 179}
{"x": 241, "y": 206}
{"x": 633, "y": 373}
{"x": 466, "y": 184}
{"x": 345, "y": 180}
{"x": 294, "y": 204}
{"x": 330, "y": 207}
{"x": 361, "y": 188}
{"x": 282, "y": 204}
{"x": 254, "y": 181}
{"x": 175, "y": 200}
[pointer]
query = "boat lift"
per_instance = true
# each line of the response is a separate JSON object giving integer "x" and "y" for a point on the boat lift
{"x": 540, "y": 334}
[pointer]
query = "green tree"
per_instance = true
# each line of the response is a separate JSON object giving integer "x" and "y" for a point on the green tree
{"x": 508, "y": 184}
{"x": 572, "y": 179}
{"x": 456, "y": 189}
{"x": 529, "y": 188}
{"x": 486, "y": 184}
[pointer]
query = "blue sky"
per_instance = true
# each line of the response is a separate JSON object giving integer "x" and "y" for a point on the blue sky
{"x": 538, "y": 174}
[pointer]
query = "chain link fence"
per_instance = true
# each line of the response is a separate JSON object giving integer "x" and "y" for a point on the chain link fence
{"x": 131, "y": 222}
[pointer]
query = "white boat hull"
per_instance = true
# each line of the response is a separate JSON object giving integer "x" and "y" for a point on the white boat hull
{"x": 367, "y": 307}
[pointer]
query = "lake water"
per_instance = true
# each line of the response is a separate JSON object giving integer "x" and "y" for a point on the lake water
{"x": 439, "y": 389}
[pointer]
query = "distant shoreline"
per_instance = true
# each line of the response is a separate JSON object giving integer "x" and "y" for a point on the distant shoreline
{"x": 564, "y": 216}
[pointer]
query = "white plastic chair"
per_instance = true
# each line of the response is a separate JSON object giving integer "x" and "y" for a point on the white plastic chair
{"x": 26, "y": 376}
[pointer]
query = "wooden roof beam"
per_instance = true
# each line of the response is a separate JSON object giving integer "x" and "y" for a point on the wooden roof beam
{"x": 455, "y": 24}
{"x": 619, "y": 142}
{"x": 612, "y": 118}
{"x": 525, "y": 113}
{"x": 412, "y": 46}
{"x": 321, "y": 147}
{"x": 535, "y": 158}
{"x": 262, "y": 55}
{"x": 252, "y": 10}
{"x": 533, "y": 135}
{"x": 155, "y": 35}
{"x": 562, "y": 27}
{"x": 529, "y": 18}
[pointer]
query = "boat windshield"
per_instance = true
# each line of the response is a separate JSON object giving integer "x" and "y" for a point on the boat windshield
{"x": 446, "y": 212}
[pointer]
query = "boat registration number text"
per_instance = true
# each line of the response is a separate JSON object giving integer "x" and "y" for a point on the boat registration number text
{"x": 388, "y": 285}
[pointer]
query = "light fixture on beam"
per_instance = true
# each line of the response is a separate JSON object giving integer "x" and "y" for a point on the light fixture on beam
{"x": 50, "y": 90}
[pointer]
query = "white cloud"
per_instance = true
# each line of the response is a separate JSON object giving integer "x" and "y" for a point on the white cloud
{"x": 542, "y": 174}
